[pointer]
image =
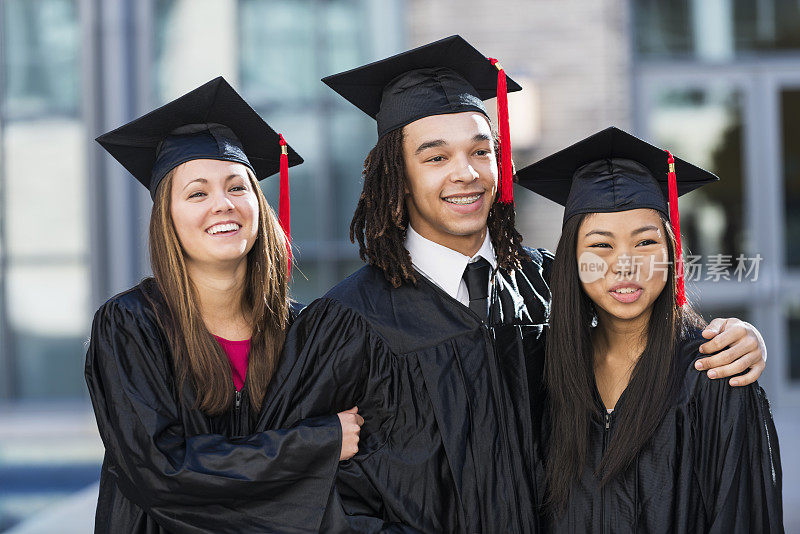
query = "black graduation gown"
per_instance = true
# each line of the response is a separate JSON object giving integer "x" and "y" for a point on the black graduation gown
{"x": 171, "y": 468}
{"x": 713, "y": 465}
{"x": 447, "y": 441}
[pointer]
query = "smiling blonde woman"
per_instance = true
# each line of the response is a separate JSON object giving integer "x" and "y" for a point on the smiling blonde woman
{"x": 178, "y": 366}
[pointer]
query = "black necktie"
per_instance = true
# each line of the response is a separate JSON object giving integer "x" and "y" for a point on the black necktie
{"x": 476, "y": 276}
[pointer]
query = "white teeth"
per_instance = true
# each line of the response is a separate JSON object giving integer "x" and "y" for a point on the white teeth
{"x": 227, "y": 227}
{"x": 462, "y": 200}
{"x": 626, "y": 290}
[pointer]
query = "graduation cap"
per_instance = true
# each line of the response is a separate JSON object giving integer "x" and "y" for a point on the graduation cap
{"x": 446, "y": 76}
{"x": 210, "y": 122}
{"x": 613, "y": 171}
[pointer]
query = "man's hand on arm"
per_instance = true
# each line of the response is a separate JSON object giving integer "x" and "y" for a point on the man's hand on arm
{"x": 738, "y": 346}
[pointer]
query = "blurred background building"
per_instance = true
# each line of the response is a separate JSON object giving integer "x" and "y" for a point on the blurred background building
{"x": 716, "y": 81}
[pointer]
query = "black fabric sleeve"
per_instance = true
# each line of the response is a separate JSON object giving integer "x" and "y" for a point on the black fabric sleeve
{"x": 737, "y": 458}
{"x": 323, "y": 366}
{"x": 332, "y": 361}
{"x": 275, "y": 480}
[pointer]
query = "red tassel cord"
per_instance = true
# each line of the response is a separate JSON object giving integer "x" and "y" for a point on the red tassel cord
{"x": 674, "y": 218}
{"x": 506, "y": 168}
{"x": 284, "y": 207}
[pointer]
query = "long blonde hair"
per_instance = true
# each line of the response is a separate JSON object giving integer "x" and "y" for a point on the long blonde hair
{"x": 265, "y": 300}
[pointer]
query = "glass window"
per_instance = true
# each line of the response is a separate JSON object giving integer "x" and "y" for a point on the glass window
{"x": 767, "y": 25}
{"x": 49, "y": 314}
{"x": 704, "y": 126}
{"x": 45, "y": 184}
{"x": 715, "y": 30}
{"x": 353, "y": 135}
{"x": 41, "y": 41}
{"x": 344, "y": 21}
{"x": 193, "y": 43}
{"x": 790, "y": 128}
{"x": 278, "y": 49}
{"x": 663, "y": 29}
{"x": 47, "y": 281}
{"x": 164, "y": 16}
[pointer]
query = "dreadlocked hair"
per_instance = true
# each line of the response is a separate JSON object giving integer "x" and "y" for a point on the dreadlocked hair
{"x": 381, "y": 218}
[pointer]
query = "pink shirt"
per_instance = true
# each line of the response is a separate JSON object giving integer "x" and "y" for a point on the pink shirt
{"x": 238, "y": 354}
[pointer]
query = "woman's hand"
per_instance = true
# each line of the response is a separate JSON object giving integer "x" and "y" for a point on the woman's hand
{"x": 351, "y": 427}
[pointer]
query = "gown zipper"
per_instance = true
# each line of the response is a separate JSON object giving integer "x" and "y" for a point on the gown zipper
{"x": 237, "y": 410}
{"x": 606, "y": 515}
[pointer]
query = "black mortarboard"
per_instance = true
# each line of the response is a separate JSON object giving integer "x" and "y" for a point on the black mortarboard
{"x": 614, "y": 171}
{"x": 210, "y": 122}
{"x": 610, "y": 171}
{"x": 446, "y": 76}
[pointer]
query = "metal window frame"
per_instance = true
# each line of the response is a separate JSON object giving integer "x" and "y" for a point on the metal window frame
{"x": 7, "y": 361}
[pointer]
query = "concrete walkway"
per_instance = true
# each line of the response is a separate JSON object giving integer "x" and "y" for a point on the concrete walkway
{"x": 73, "y": 515}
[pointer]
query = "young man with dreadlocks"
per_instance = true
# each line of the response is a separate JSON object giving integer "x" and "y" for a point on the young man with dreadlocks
{"x": 439, "y": 340}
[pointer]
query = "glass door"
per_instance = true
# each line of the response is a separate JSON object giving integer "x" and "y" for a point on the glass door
{"x": 742, "y": 234}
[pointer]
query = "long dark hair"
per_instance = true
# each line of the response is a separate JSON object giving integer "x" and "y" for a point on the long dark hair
{"x": 569, "y": 373}
{"x": 197, "y": 356}
{"x": 381, "y": 218}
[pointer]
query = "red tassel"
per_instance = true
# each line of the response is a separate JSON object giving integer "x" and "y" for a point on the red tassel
{"x": 674, "y": 218}
{"x": 284, "y": 207}
{"x": 506, "y": 168}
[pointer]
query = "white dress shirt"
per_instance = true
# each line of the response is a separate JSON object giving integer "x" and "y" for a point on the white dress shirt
{"x": 444, "y": 266}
